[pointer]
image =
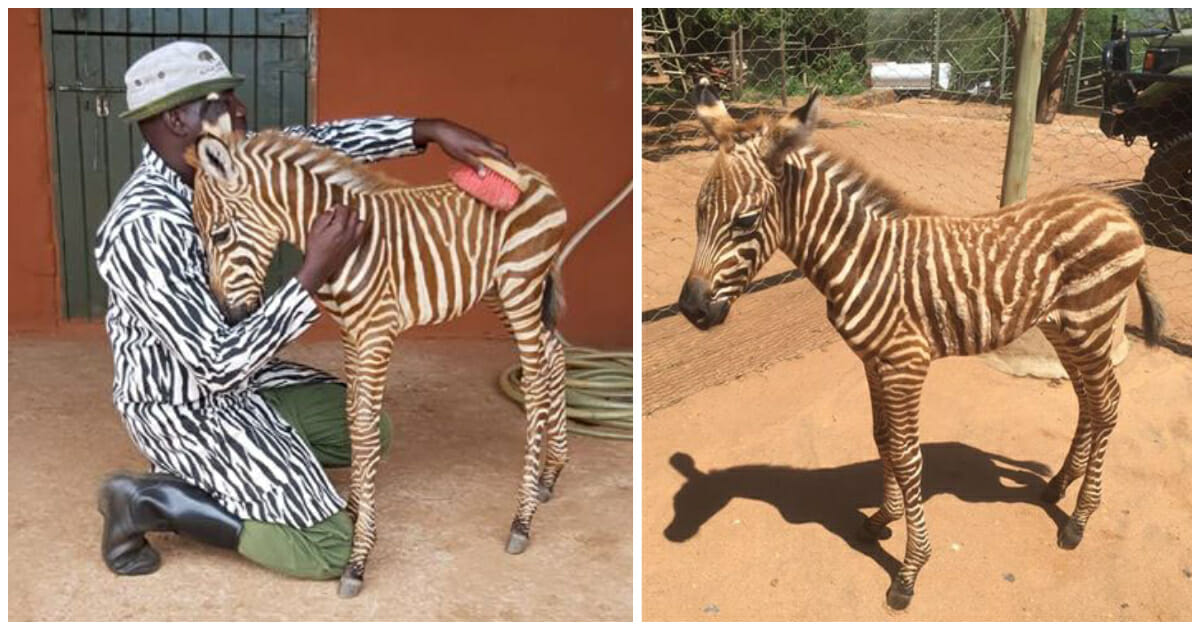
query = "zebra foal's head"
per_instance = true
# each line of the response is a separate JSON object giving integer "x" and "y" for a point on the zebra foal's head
{"x": 238, "y": 242}
{"x": 738, "y": 210}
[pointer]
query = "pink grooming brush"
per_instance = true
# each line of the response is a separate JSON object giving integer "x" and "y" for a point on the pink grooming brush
{"x": 497, "y": 188}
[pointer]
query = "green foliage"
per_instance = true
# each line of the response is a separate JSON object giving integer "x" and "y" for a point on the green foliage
{"x": 800, "y": 25}
{"x": 833, "y": 47}
{"x": 838, "y": 74}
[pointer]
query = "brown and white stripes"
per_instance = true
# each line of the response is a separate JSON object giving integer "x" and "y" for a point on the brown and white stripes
{"x": 430, "y": 253}
{"x": 905, "y": 286}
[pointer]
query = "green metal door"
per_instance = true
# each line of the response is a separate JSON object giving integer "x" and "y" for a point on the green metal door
{"x": 88, "y": 51}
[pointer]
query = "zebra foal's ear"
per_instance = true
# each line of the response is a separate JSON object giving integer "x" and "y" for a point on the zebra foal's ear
{"x": 713, "y": 115}
{"x": 807, "y": 113}
{"x": 215, "y": 160}
{"x": 214, "y": 116}
{"x": 792, "y": 131}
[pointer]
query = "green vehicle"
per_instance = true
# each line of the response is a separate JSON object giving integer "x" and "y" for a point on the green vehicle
{"x": 1155, "y": 102}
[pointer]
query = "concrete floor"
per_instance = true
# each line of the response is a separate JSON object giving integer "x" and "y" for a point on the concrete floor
{"x": 447, "y": 495}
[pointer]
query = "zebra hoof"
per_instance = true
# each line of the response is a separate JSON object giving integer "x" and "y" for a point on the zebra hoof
{"x": 351, "y": 583}
{"x": 899, "y": 596}
{"x": 545, "y": 493}
{"x": 518, "y": 538}
{"x": 517, "y": 542}
{"x": 1070, "y": 535}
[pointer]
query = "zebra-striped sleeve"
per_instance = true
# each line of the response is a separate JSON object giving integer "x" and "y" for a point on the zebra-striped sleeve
{"x": 281, "y": 373}
{"x": 145, "y": 262}
{"x": 364, "y": 139}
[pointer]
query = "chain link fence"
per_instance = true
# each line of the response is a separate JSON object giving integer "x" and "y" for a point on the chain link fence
{"x": 921, "y": 98}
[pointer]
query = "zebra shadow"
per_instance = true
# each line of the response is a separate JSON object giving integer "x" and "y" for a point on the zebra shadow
{"x": 838, "y": 498}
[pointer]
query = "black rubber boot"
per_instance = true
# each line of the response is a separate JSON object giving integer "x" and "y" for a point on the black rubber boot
{"x": 135, "y": 504}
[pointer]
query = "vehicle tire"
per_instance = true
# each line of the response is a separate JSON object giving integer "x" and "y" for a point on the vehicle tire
{"x": 1168, "y": 179}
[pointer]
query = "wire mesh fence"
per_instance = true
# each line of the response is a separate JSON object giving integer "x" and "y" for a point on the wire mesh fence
{"x": 921, "y": 98}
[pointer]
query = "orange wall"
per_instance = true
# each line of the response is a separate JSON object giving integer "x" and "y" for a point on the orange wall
{"x": 555, "y": 85}
{"x": 33, "y": 290}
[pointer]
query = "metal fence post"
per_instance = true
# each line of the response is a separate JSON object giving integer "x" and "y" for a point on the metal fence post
{"x": 1078, "y": 65}
{"x": 783, "y": 80}
{"x": 1020, "y": 128}
{"x": 735, "y": 59}
{"x": 1003, "y": 61}
{"x": 741, "y": 60}
{"x": 937, "y": 35}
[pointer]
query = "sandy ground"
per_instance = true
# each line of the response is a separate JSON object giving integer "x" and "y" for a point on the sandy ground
{"x": 947, "y": 156}
{"x": 447, "y": 494}
{"x": 753, "y": 491}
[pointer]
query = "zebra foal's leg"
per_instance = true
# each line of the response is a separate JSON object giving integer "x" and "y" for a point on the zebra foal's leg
{"x": 364, "y": 401}
{"x": 1102, "y": 395}
{"x": 1081, "y": 444}
{"x": 900, "y": 390}
{"x": 554, "y": 365}
{"x": 555, "y": 362}
{"x": 875, "y": 526}
{"x": 522, "y": 310}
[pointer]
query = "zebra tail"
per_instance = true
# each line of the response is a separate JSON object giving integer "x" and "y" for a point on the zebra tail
{"x": 552, "y": 298}
{"x": 1153, "y": 317}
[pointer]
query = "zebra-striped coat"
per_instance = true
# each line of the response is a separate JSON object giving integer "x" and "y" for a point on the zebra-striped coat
{"x": 904, "y": 286}
{"x": 185, "y": 383}
{"x": 429, "y": 253}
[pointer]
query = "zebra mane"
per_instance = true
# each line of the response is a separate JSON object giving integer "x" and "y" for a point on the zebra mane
{"x": 882, "y": 198}
{"x": 332, "y": 166}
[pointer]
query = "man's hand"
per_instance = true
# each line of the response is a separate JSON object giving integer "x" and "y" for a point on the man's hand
{"x": 335, "y": 235}
{"x": 458, "y": 142}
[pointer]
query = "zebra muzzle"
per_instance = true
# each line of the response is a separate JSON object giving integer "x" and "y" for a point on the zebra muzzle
{"x": 697, "y": 304}
{"x": 238, "y": 312}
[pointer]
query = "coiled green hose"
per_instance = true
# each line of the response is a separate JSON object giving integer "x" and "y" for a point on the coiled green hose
{"x": 599, "y": 383}
{"x": 599, "y": 392}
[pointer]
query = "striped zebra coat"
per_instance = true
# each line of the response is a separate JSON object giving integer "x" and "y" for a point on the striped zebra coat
{"x": 905, "y": 285}
{"x": 430, "y": 253}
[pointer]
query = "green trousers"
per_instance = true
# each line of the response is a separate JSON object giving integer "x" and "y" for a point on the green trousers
{"x": 318, "y": 413}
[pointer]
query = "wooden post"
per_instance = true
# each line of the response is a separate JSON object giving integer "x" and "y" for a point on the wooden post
{"x": 783, "y": 64}
{"x": 1020, "y": 128}
{"x": 735, "y": 62}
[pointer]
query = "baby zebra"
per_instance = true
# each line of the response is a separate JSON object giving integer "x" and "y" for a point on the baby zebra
{"x": 905, "y": 286}
{"x": 429, "y": 254}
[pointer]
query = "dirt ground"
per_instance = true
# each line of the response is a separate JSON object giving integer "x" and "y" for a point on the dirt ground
{"x": 753, "y": 491}
{"x": 947, "y": 156}
{"x": 447, "y": 494}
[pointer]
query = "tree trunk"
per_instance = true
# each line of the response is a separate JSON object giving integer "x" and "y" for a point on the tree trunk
{"x": 1050, "y": 91}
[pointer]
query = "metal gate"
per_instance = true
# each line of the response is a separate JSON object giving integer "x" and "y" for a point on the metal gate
{"x": 87, "y": 53}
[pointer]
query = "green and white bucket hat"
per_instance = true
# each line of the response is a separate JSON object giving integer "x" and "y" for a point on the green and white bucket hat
{"x": 173, "y": 75}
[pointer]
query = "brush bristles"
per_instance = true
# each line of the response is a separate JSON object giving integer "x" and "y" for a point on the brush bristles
{"x": 492, "y": 188}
